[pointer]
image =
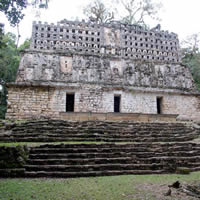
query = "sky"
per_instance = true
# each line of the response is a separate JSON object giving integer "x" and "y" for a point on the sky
{"x": 178, "y": 16}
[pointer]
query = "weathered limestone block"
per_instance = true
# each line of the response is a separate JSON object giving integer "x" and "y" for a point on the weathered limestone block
{"x": 94, "y": 69}
{"x": 66, "y": 64}
{"x": 48, "y": 102}
{"x": 129, "y": 41}
{"x": 112, "y": 37}
{"x": 31, "y": 102}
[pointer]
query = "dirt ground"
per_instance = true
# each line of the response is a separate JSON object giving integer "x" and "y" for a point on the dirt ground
{"x": 158, "y": 192}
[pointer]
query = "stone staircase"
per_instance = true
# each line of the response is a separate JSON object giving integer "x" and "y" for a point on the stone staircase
{"x": 123, "y": 148}
{"x": 63, "y": 131}
{"x": 79, "y": 160}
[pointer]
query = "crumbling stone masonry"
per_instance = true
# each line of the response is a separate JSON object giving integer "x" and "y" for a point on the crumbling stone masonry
{"x": 87, "y": 67}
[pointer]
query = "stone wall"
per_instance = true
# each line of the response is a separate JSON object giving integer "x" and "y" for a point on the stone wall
{"x": 37, "y": 102}
{"x": 51, "y": 67}
{"x": 116, "y": 39}
{"x": 136, "y": 117}
{"x": 186, "y": 106}
{"x": 30, "y": 102}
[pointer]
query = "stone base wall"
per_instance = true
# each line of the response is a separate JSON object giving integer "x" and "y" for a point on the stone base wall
{"x": 85, "y": 116}
{"x": 37, "y": 102}
{"x": 187, "y": 107}
{"x": 30, "y": 103}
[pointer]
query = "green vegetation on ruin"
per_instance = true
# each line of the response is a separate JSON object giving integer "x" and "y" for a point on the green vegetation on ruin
{"x": 35, "y": 144}
{"x": 32, "y": 144}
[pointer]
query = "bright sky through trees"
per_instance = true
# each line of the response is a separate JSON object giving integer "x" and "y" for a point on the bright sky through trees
{"x": 179, "y": 16}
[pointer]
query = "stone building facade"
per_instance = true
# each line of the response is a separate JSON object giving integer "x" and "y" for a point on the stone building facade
{"x": 87, "y": 67}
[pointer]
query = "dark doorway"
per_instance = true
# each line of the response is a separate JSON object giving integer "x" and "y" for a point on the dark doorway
{"x": 117, "y": 100}
{"x": 159, "y": 105}
{"x": 70, "y": 103}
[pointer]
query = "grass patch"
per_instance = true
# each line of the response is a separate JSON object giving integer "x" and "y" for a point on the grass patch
{"x": 43, "y": 143}
{"x": 56, "y": 143}
{"x": 98, "y": 188}
{"x": 33, "y": 144}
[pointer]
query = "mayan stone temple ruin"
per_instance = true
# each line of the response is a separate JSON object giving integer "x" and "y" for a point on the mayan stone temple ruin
{"x": 75, "y": 69}
{"x": 100, "y": 100}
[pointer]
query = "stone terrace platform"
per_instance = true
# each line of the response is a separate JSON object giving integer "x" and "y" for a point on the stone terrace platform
{"x": 98, "y": 148}
{"x": 98, "y": 131}
{"x": 90, "y": 116}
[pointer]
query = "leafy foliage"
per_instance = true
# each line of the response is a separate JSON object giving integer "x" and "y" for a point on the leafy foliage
{"x": 191, "y": 56}
{"x": 193, "y": 62}
{"x": 1, "y": 34}
{"x": 9, "y": 62}
{"x": 9, "y": 58}
{"x": 14, "y": 9}
{"x": 25, "y": 45}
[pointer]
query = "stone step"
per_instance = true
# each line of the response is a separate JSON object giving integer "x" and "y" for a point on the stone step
{"x": 194, "y": 161}
{"x": 56, "y": 174}
{"x": 94, "y": 167}
{"x": 127, "y": 147}
{"x": 105, "y": 125}
{"x": 190, "y": 165}
{"x": 97, "y": 139}
{"x": 101, "y": 124}
{"x": 79, "y": 155}
{"x": 167, "y": 146}
{"x": 135, "y": 155}
{"x": 102, "y": 137}
{"x": 195, "y": 168}
{"x": 88, "y": 150}
{"x": 122, "y": 160}
{"x": 186, "y": 145}
{"x": 57, "y": 131}
{"x": 191, "y": 159}
{"x": 112, "y": 150}
{"x": 90, "y": 130}
{"x": 107, "y": 135}
{"x": 108, "y": 166}
{"x": 133, "y": 147}
{"x": 15, "y": 172}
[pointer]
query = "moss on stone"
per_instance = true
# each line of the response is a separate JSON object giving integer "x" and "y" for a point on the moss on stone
{"x": 13, "y": 157}
{"x": 183, "y": 170}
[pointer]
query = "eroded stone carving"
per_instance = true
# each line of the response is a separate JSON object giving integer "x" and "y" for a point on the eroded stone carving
{"x": 94, "y": 69}
{"x": 112, "y": 38}
{"x": 66, "y": 64}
